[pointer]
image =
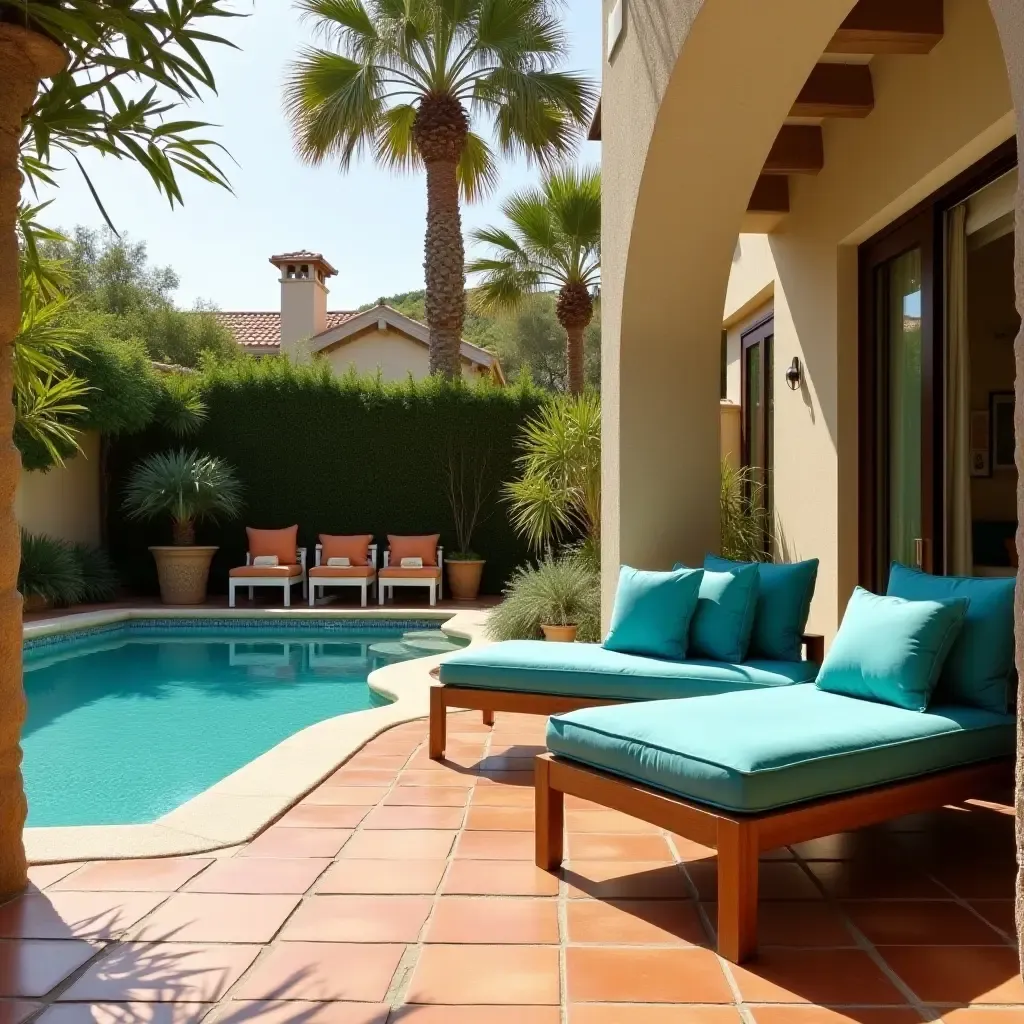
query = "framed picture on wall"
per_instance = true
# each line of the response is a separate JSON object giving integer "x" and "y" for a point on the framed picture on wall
{"x": 1001, "y": 408}
{"x": 981, "y": 463}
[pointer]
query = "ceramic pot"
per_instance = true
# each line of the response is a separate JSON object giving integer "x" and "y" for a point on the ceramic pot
{"x": 464, "y": 578}
{"x": 183, "y": 572}
{"x": 561, "y": 634}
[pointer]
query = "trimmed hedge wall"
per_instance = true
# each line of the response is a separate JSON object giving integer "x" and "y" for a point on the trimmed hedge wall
{"x": 335, "y": 455}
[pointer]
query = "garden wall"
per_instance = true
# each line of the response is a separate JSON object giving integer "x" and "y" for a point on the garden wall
{"x": 63, "y": 502}
{"x": 336, "y": 455}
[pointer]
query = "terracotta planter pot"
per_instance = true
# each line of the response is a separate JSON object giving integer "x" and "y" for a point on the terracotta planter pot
{"x": 464, "y": 579}
{"x": 183, "y": 572}
{"x": 560, "y": 634}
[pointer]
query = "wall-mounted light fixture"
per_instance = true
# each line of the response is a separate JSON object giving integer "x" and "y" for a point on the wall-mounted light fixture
{"x": 794, "y": 375}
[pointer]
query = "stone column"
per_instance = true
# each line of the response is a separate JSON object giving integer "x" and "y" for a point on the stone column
{"x": 25, "y": 58}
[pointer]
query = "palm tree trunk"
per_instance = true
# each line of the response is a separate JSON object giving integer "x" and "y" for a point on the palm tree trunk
{"x": 574, "y": 359}
{"x": 445, "y": 268}
{"x": 25, "y": 57}
{"x": 1018, "y": 618}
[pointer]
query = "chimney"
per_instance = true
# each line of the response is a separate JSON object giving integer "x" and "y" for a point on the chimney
{"x": 303, "y": 300}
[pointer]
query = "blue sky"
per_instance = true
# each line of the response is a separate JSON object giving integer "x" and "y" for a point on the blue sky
{"x": 369, "y": 223}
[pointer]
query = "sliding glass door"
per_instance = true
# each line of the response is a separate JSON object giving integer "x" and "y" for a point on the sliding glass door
{"x": 758, "y": 427}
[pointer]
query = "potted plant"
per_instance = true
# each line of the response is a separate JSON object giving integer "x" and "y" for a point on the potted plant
{"x": 467, "y": 491}
{"x": 187, "y": 487}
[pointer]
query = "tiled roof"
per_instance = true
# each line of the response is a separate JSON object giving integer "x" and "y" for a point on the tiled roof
{"x": 261, "y": 332}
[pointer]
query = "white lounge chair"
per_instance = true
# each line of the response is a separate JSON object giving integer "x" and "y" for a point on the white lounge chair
{"x": 283, "y": 576}
{"x": 429, "y": 576}
{"x": 362, "y": 576}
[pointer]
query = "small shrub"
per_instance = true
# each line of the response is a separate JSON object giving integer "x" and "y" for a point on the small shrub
{"x": 99, "y": 577}
{"x": 562, "y": 592}
{"x": 49, "y": 570}
{"x": 746, "y": 524}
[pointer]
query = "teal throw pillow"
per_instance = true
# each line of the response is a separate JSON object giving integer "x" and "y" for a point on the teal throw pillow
{"x": 784, "y": 595}
{"x": 979, "y": 671}
{"x": 721, "y": 625}
{"x": 891, "y": 651}
{"x": 652, "y": 612}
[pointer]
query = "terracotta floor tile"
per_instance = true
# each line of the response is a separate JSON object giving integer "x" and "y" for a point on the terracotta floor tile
{"x": 386, "y": 877}
{"x": 486, "y": 975}
{"x": 298, "y": 842}
{"x": 272, "y": 1011}
{"x": 615, "y": 879}
{"x": 161, "y": 875}
{"x": 16, "y": 1011}
{"x": 123, "y": 1013}
{"x": 495, "y": 846}
{"x": 427, "y": 796}
{"x": 353, "y": 796}
{"x": 162, "y": 972}
{"x": 635, "y": 922}
{"x": 521, "y": 779}
{"x": 446, "y": 780}
{"x": 628, "y": 974}
{"x": 997, "y": 912}
{"x": 502, "y": 796}
{"x": 958, "y": 974}
{"x": 777, "y": 880}
{"x": 975, "y": 880}
{"x": 358, "y": 919}
{"x": 322, "y": 816}
{"x": 916, "y": 922}
{"x": 322, "y": 971}
{"x": 32, "y": 967}
{"x": 42, "y": 875}
{"x": 374, "y": 777}
{"x": 858, "y": 881}
{"x": 823, "y": 1015}
{"x": 412, "y": 844}
{"x": 66, "y": 915}
{"x": 606, "y": 822}
{"x": 414, "y": 817}
{"x": 260, "y": 875}
{"x": 375, "y": 761}
{"x": 498, "y": 878}
{"x": 459, "y": 919}
{"x": 970, "y": 1015}
{"x": 216, "y": 917}
{"x": 617, "y": 1013}
{"x": 424, "y": 1014}
{"x": 798, "y": 923}
{"x": 828, "y": 976}
{"x": 689, "y": 850}
{"x": 593, "y": 846}
{"x": 500, "y": 819}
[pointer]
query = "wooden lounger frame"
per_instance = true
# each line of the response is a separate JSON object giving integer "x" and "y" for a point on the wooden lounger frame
{"x": 488, "y": 701}
{"x": 740, "y": 839}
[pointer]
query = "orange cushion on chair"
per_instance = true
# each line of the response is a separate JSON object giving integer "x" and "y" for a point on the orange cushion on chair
{"x": 282, "y": 543}
{"x": 413, "y": 547}
{"x": 267, "y": 572}
{"x": 356, "y": 548}
{"x": 341, "y": 572}
{"x": 397, "y": 572}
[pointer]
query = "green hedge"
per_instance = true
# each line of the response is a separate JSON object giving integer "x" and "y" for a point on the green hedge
{"x": 335, "y": 455}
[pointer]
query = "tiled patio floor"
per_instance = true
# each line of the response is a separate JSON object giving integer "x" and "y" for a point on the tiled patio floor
{"x": 402, "y": 891}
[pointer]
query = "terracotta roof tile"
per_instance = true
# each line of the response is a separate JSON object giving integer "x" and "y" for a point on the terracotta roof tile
{"x": 261, "y": 332}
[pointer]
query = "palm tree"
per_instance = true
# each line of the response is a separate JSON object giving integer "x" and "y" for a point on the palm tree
{"x": 401, "y": 80}
{"x": 553, "y": 241}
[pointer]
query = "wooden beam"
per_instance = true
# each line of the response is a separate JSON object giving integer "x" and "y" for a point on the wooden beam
{"x": 770, "y": 195}
{"x": 798, "y": 149}
{"x": 885, "y": 26}
{"x": 836, "y": 90}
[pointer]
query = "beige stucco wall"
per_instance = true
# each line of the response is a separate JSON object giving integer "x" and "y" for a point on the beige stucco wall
{"x": 394, "y": 354}
{"x": 64, "y": 502}
{"x": 934, "y": 116}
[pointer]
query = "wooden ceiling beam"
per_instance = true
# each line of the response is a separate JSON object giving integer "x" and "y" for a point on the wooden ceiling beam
{"x": 770, "y": 195}
{"x": 890, "y": 26}
{"x": 798, "y": 149}
{"x": 836, "y": 90}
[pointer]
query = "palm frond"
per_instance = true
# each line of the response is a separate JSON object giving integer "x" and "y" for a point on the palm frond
{"x": 477, "y": 170}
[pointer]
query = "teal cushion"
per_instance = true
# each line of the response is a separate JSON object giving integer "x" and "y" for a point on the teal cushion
{"x": 652, "y": 612}
{"x": 722, "y": 621}
{"x": 586, "y": 670}
{"x": 762, "y": 749}
{"x": 891, "y": 650}
{"x": 979, "y": 670}
{"x": 784, "y": 595}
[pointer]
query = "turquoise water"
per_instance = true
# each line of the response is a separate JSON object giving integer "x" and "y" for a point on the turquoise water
{"x": 124, "y": 727}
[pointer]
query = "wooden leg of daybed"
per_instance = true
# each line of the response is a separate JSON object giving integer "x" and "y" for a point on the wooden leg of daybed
{"x": 488, "y": 717}
{"x": 737, "y": 890}
{"x": 438, "y": 724}
{"x": 550, "y": 812}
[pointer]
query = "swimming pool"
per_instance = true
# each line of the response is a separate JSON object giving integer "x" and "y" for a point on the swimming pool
{"x": 126, "y": 723}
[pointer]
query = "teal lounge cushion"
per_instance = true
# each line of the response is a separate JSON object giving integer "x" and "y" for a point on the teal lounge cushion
{"x": 891, "y": 650}
{"x": 724, "y": 616}
{"x": 762, "y": 749}
{"x": 586, "y": 670}
{"x": 784, "y": 595}
{"x": 979, "y": 669}
{"x": 652, "y": 612}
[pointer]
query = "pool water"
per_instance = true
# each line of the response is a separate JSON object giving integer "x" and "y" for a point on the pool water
{"x": 124, "y": 727}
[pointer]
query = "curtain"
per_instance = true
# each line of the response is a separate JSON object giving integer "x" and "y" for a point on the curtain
{"x": 958, "y": 397}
